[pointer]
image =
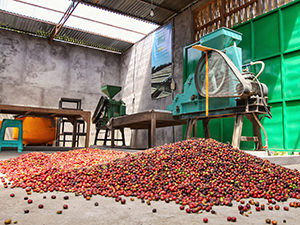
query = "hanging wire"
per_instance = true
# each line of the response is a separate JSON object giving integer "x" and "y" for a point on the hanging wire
{"x": 151, "y": 10}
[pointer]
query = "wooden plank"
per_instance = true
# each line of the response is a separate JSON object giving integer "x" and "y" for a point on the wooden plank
{"x": 105, "y": 137}
{"x": 253, "y": 139}
{"x": 223, "y": 12}
{"x": 131, "y": 119}
{"x": 87, "y": 118}
{"x": 234, "y": 14}
{"x": 14, "y": 109}
{"x": 256, "y": 132}
{"x": 258, "y": 9}
{"x": 188, "y": 129}
{"x": 153, "y": 130}
{"x": 238, "y": 127}
{"x": 164, "y": 116}
{"x": 112, "y": 137}
{"x": 74, "y": 133}
{"x": 195, "y": 128}
{"x": 205, "y": 6}
{"x": 206, "y": 128}
{"x": 149, "y": 137}
{"x": 143, "y": 120}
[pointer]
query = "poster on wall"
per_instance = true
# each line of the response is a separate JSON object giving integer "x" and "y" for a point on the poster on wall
{"x": 162, "y": 63}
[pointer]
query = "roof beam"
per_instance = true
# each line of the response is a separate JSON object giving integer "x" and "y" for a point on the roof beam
{"x": 158, "y": 6}
{"x": 64, "y": 19}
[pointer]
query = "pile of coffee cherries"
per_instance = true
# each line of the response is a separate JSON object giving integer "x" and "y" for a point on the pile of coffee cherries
{"x": 195, "y": 173}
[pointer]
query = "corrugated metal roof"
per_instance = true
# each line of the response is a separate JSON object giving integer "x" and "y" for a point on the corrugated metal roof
{"x": 43, "y": 28}
{"x": 163, "y": 9}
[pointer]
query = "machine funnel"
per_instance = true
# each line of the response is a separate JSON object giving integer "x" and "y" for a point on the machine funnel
{"x": 221, "y": 38}
{"x": 110, "y": 90}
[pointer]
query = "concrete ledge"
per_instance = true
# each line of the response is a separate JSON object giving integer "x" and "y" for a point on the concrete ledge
{"x": 284, "y": 160}
{"x": 280, "y": 160}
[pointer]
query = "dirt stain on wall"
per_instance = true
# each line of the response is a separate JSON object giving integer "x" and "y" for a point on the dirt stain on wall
{"x": 9, "y": 49}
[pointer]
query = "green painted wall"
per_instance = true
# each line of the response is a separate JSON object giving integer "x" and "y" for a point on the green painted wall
{"x": 275, "y": 39}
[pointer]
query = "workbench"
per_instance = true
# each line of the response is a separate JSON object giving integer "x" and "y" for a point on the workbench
{"x": 70, "y": 114}
{"x": 149, "y": 120}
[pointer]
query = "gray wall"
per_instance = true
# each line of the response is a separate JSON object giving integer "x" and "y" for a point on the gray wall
{"x": 136, "y": 78}
{"x": 34, "y": 73}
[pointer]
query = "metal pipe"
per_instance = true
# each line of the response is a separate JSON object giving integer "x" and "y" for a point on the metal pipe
{"x": 261, "y": 69}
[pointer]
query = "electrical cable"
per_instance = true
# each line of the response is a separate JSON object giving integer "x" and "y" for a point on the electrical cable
{"x": 265, "y": 133}
{"x": 261, "y": 69}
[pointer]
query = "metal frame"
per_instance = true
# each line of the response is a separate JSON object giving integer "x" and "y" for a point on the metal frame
{"x": 237, "y": 132}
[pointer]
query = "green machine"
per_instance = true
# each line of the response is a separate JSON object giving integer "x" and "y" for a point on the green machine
{"x": 106, "y": 109}
{"x": 218, "y": 85}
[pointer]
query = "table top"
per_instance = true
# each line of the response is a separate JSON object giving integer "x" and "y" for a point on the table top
{"x": 142, "y": 120}
{"x": 42, "y": 111}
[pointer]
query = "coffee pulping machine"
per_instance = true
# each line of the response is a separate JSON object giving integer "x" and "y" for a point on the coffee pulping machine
{"x": 220, "y": 86}
{"x": 106, "y": 109}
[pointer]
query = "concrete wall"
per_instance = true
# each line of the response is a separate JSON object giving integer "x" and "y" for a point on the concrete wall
{"x": 136, "y": 78}
{"x": 34, "y": 73}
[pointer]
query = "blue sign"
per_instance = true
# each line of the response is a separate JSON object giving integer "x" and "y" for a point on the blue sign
{"x": 162, "y": 47}
{"x": 162, "y": 62}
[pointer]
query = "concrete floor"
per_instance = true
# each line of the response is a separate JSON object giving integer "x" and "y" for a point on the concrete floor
{"x": 81, "y": 211}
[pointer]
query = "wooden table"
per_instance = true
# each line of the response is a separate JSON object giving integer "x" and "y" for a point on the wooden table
{"x": 71, "y": 115}
{"x": 145, "y": 120}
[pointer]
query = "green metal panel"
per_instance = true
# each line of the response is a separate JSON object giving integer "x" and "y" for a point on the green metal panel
{"x": 215, "y": 129}
{"x": 221, "y": 38}
{"x": 293, "y": 125}
{"x": 191, "y": 57}
{"x": 272, "y": 77}
{"x": 291, "y": 24}
{"x": 110, "y": 90}
{"x": 200, "y": 131}
{"x": 266, "y": 36}
{"x": 228, "y": 124}
{"x": 292, "y": 71}
{"x": 274, "y": 127}
{"x": 246, "y": 42}
{"x": 220, "y": 129}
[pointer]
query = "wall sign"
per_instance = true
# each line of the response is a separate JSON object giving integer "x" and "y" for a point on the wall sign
{"x": 162, "y": 63}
